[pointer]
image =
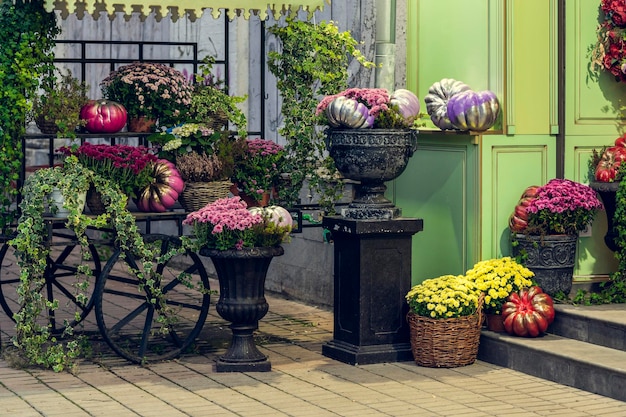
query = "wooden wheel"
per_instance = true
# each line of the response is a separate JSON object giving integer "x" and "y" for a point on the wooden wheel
{"x": 131, "y": 324}
{"x": 61, "y": 283}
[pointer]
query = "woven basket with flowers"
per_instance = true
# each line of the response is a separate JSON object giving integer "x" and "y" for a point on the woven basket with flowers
{"x": 203, "y": 178}
{"x": 445, "y": 318}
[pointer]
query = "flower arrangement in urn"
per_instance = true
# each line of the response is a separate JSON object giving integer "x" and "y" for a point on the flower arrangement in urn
{"x": 150, "y": 90}
{"x": 545, "y": 226}
{"x": 561, "y": 207}
{"x": 608, "y": 53}
{"x": 361, "y": 108}
{"x": 498, "y": 279}
{"x": 258, "y": 169}
{"x": 228, "y": 224}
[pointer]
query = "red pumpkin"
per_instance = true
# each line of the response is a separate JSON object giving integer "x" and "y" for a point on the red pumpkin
{"x": 518, "y": 221}
{"x": 528, "y": 312}
{"x": 104, "y": 116}
{"x": 611, "y": 159}
{"x": 163, "y": 192}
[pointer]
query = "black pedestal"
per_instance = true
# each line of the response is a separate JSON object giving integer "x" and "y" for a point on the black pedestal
{"x": 372, "y": 277}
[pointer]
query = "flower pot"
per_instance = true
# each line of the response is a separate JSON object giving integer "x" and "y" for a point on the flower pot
{"x": 94, "y": 201}
{"x": 140, "y": 124}
{"x": 494, "y": 322}
{"x": 552, "y": 258}
{"x": 372, "y": 157}
{"x": 264, "y": 201}
{"x": 241, "y": 275}
{"x": 56, "y": 198}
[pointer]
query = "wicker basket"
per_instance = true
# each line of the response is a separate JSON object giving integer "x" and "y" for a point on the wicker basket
{"x": 198, "y": 194}
{"x": 445, "y": 343}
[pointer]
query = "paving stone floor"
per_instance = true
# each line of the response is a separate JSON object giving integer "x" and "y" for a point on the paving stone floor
{"x": 302, "y": 382}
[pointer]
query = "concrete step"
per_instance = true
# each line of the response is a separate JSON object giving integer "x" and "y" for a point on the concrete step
{"x": 584, "y": 349}
{"x": 603, "y": 325}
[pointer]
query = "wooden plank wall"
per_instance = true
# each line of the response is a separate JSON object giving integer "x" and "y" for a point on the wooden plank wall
{"x": 244, "y": 37}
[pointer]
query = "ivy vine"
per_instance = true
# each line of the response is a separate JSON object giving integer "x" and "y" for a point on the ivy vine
{"x": 313, "y": 62}
{"x": 33, "y": 338}
{"x": 27, "y": 36}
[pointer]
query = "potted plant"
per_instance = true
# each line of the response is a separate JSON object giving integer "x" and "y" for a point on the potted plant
{"x": 370, "y": 140}
{"x": 149, "y": 92}
{"x": 186, "y": 137}
{"x": 302, "y": 77}
{"x": 127, "y": 166}
{"x": 498, "y": 279}
{"x": 258, "y": 170}
{"x": 607, "y": 173}
{"x": 241, "y": 243}
{"x": 546, "y": 238}
{"x": 57, "y": 110}
{"x": 205, "y": 179}
{"x": 26, "y": 59}
{"x": 212, "y": 105}
{"x": 445, "y": 317}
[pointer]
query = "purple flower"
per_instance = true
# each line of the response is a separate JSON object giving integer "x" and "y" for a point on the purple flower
{"x": 562, "y": 207}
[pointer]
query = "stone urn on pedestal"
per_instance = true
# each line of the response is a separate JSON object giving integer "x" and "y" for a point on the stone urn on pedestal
{"x": 372, "y": 252}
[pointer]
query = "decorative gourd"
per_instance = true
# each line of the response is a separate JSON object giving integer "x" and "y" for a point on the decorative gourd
{"x": 528, "y": 312}
{"x": 347, "y": 112}
{"x": 277, "y": 215}
{"x": 609, "y": 163}
{"x": 437, "y": 100}
{"x": 518, "y": 221}
{"x": 103, "y": 116}
{"x": 471, "y": 110}
{"x": 408, "y": 104}
{"x": 163, "y": 192}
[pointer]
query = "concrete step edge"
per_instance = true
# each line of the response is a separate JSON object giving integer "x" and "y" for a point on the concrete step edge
{"x": 582, "y": 365}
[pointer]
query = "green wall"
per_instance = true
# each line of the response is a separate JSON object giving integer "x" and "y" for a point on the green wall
{"x": 465, "y": 186}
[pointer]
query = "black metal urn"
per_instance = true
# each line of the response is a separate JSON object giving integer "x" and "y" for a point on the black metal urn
{"x": 552, "y": 258}
{"x": 372, "y": 157}
{"x": 241, "y": 275}
{"x": 607, "y": 192}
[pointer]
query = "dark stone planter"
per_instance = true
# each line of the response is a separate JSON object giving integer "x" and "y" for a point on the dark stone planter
{"x": 552, "y": 258}
{"x": 241, "y": 274}
{"x": 607, "y": 191}
{"x": 372, "y": 274}
{"x": 372, "y": 157}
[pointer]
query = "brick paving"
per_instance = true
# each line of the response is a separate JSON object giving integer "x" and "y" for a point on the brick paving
{"x": 302, "y": 382}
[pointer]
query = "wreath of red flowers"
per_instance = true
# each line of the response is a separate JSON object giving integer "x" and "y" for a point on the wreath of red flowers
{"x": 609, "y": 53}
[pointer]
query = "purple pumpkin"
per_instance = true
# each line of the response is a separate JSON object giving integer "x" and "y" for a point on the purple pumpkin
{"x": 408, "y": 104}
{"x": 473, "y": 110}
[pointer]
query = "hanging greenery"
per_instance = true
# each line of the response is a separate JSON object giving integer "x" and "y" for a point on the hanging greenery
{"x": 27, "y": 36}
{"x": 34, "y": 339}
{"x": 312, "y": 63}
